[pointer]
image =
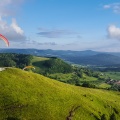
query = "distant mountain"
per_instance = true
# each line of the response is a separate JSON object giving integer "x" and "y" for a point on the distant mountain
{"x": 99, "y": 59}
{"x": 87, "y": 57}
{"x": 115, "y": 53}
{"x": 49, "y": 52}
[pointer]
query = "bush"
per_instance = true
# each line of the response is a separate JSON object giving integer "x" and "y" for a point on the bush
{"x": 103, "y": 117}
{"x": 112, "y": 117}
{"x": 115, "y": 87}
{"x": 87, "y": 84}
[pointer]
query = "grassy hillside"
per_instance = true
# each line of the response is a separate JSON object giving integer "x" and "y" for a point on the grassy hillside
{"x": 29, "y": 96}
{"x": 55, "y": 68}
{"x": 50, "y": 65}
{"x": 37, "y": 62}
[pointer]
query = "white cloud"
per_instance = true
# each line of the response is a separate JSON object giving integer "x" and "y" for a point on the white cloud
{"x": 114, "y": 6}
{"x": 55, "y": 33}
{"x": 12, "y": 31}
{"x": 106, "y": 6}
{"x": 16, "y": 27}
{"x": 113, "y": 32}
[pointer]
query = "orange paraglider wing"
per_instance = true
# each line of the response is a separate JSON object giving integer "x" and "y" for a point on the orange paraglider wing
{"x": 5, "y": 39}
{"x": 27, "y": 67}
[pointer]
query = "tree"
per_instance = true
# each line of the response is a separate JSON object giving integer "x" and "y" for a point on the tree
{"x": 74, "y": 80}
{"x": 87, "y": 84}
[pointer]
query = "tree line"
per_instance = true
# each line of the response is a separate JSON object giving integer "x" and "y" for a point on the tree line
{"x": 14, "y": 60}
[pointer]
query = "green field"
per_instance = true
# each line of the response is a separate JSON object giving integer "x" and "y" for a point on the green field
{"x": 36, "y": 59}
{"x": 37, "y": 62}
{"x": 30, "y": 96}
{"x": 61, "y": 76}
{"x": 113, "y": 75}
{"x": 98, "y": 82}
{"x": 104, "y": 85}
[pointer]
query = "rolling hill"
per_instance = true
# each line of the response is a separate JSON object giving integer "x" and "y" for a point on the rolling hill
{"x": 50, "y": 65}
{"x": 30, "y": 96}
{"x": 87, "y": 57}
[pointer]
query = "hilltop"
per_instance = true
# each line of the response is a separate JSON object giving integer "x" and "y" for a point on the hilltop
{"x": 29, "y": 96}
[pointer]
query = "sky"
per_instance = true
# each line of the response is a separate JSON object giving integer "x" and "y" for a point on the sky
{"x": 61, "y": 24}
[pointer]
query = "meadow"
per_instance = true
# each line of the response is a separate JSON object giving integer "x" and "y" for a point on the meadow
{"x": 25, "y": 95}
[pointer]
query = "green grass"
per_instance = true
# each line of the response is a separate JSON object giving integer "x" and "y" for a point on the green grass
{"x": 37, "y": 62}
{"x": 113, "y": 75}
{"x": 29, "y": 96}
{"x": 104, "y": 85}
{"x": 89, "y": 79}
{"x": 36, "y": 59}
{"x": 61, "y": 76}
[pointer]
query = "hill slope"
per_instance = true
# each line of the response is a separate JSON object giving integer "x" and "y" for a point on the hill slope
{"x": 29, "y": 96}
{"x": 51, "y": 65}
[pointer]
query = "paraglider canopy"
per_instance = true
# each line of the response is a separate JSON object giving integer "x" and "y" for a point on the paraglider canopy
{"x": 5, "y": 39}
{"x": 28, "y": 67}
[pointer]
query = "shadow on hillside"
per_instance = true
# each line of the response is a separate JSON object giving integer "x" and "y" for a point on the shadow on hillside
{"x": 12, "y": 118}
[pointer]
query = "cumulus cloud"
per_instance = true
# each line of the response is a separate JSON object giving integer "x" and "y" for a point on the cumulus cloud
{"x": 16, "y": 27}
{"x": 12, "y": 31}
{"x": 113, "y": 32}
{"x": 107, "y": 6}
{"x": 54, "y": 33}
{"x": 115, "y": 7}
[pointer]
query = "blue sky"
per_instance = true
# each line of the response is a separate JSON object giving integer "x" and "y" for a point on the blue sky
{"x": 61, "y": 24}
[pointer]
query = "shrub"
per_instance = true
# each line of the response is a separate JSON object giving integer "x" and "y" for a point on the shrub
{"x": 103, "y": 117}
{"x": 112, "y": 117}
